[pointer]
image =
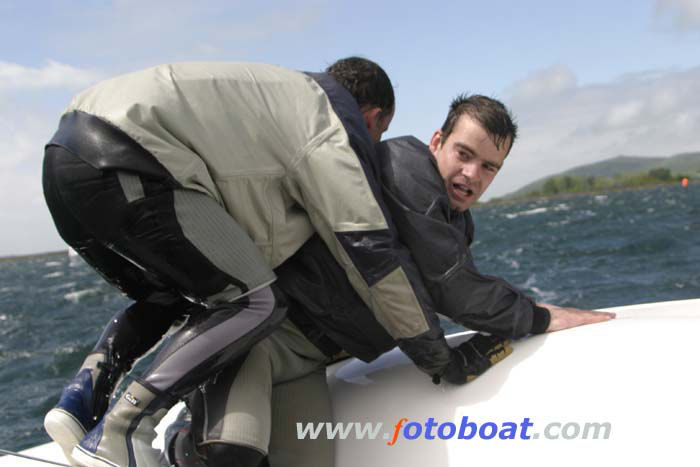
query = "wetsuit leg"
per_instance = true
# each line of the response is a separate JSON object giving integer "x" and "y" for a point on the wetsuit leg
{"x": 180, "y": 238}
{"x": 185, "y": 242}
{"x": 61, "y": 168}
{"x": 303, "y": 400}
{"x": 211, "y": 340}
{"x": 129, "y": 334}
{"x": 281, "y": 381}
{"x": 132, "y": 332}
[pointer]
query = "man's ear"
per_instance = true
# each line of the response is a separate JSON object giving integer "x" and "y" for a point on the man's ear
{"x": 371, "y": 116}
{"x": 435, "y": 142}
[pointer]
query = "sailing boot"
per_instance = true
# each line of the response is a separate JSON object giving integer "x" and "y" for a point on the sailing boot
{"x": 83, "y": 403}
{"x": 205, "y": 345}
{"x": 125, "y": 435}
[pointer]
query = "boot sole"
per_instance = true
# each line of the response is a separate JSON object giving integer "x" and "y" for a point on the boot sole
{"x": 87, "y": 459}
{"x": 65, "y": 430}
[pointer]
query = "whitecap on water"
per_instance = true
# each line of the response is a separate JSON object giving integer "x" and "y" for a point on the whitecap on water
{"x": 53, "y": 274}
{"x": 9, "y": 356}
{"x": 78, "y": 295}
{"x": 529, "y": 212}
{"x": 70, "y": 349}
{"x": 505, "y": 257}
{"x": 542, "y": 295}
{"x": 545, "y": 295}
{"x": 52, "y": 264}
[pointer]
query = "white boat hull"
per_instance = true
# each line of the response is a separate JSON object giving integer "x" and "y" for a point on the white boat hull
{"x": 637, "y": 373}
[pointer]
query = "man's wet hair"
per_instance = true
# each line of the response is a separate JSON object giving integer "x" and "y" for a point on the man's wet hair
{"x": 366, "y": 81}
{"x": 491, "y": 114}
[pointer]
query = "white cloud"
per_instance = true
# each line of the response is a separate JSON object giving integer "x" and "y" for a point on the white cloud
{"x": 550, "y": 81}
{"x": 127, "y": 37}
{"x": 27, "y": 225}
{"x": 683, "y": 14}
{"x": 624, "y": 114}
{"x": 52, "y": 75}
{"x": 31, "y": 101}
{"x": 655, "y": 113}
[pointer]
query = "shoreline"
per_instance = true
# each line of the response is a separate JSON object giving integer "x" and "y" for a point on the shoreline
{"x": 573, "y": 194}
{"x": 33, "y": 255}
{"x": 486, "y": 204}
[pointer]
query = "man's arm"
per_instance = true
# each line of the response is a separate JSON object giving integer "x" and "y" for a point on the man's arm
{"x": 565, "y": 317}
{"x": 437, "y": 238}
{"x": 336, "y": 182}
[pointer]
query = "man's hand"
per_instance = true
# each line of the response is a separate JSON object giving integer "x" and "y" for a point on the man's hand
{"x": 565, "y": 318}
{"x": 473, "y": 357}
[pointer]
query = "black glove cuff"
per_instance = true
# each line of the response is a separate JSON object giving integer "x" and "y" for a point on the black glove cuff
{"x": 456, "y": 370}
{"x": 540, "y": 319}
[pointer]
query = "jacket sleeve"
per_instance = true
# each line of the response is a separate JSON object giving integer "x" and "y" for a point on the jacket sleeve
{"x": 438, "y": 239}
{"x": 460, "y": 292}
{"x": 339, "y": 190}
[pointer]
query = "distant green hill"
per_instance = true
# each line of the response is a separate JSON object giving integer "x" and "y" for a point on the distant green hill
{"x": 617, "y": 168}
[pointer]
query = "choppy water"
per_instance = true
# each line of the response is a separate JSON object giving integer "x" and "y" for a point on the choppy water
{"x": 587, "y": 251}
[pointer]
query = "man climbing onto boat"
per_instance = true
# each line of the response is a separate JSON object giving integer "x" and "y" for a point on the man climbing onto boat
{"x": 184, "y": 185}
{"x": 428, "y": 191}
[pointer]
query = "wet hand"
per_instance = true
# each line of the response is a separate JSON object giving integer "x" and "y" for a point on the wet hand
{"x": 565, "y": 318}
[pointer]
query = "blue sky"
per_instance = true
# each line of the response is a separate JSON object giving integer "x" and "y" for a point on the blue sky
{"x": 587, "y": 80}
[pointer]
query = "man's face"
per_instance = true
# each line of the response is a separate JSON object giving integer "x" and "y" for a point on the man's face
{"x": 468, "y": 161}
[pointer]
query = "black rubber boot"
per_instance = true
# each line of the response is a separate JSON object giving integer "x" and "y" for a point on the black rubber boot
{"x": 205, "y": 345}
{"x": 129, "y": 334}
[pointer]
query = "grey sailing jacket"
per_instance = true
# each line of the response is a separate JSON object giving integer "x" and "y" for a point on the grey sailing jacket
{"x": 285, "y": 153}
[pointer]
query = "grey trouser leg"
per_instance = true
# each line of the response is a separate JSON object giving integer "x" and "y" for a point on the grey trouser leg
{"x": 304, "y": 400}
{"x": 282, "y": 378}
{"x": 210, "y": 340}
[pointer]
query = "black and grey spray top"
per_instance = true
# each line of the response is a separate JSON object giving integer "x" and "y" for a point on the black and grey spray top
{"x": 438, "y": 238}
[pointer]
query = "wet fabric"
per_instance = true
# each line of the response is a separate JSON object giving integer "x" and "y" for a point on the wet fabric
{"x": 438, "y": 238}
{"x": 284, "y": 153}
{"x": 144, "y": 247}
{"x": 237, "y": 407}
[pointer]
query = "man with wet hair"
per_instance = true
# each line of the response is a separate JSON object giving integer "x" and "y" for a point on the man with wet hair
{"x": 185, "y": 185}
{"x": 428, "y": 191}
{"x": 372, "y": 90}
